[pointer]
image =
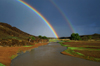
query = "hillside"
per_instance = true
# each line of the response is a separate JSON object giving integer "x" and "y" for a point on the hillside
{"x": 94, "y": 36}
{"x": 14, "y": 41}
{"x": 12, "y": 36}
{"x": 7, "y": 31}
{"x": 85, "y": 37}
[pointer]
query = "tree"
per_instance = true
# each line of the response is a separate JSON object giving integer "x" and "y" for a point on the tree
{"x": 44, "y": 37}
{"x": 40, "y": 36}
{"x": 75, "y": 36}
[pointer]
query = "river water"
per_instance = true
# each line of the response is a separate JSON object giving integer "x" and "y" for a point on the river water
{"x": 49, "y": 55}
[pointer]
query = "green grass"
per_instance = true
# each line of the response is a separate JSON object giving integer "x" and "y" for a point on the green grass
{"x": 13, "y": 56}
{"x": 78, "y": 48}
{"x": 66, "y": 41}
{"x": 53, "y": 40}
{"x": 82, "y": 48}
{"x": 79, "y": 53}
{"x": 98, "y": 59}
{"x": 28, "y": 46}
{"x": 63, "y": 44}
{"x": 69, "y": 51}
{"x": 90, "y": 46}
{"x": 11, "y": 37}
{"x": 92, "y": 58}
{"x": 35, "y": 43}
{"x": 2, "y": 64}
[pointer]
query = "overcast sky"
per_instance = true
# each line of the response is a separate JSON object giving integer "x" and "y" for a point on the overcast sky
{"x": 83, "y": 15}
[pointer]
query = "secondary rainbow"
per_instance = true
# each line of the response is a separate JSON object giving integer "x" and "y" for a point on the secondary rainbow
{"x": 41, "y": 16}
{"x": 65, "y": 17}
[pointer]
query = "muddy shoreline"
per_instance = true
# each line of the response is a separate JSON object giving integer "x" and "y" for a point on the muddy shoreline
{"x": 7, "y": 52}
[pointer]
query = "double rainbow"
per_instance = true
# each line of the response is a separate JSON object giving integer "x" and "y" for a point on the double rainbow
{"x": 63, "y": 14}
{"x": 40, "y": 15}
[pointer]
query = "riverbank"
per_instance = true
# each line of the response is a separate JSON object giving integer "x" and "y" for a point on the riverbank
{"x": 8, "y": 53}
{"x": 89, "y": 50}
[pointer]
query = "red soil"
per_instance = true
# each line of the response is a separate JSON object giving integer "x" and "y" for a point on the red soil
{"x": 7, "y": 52}
{"x": 87, "y": 53}
{"x": 66, "y": 53}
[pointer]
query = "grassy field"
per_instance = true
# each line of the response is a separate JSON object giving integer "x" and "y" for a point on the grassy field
{"x": 53, "y": 40}
{"x": 56, "y": 40}
{"x": 83, "y": 49}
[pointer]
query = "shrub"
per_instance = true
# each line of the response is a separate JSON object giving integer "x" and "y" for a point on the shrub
{"x": 89, "y": 37}
{"x": 75, "y": 36}
{"x": 32, "y": 37}
{"x": 42, "y": 37}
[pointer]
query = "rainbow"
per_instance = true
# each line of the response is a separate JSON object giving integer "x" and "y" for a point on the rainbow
{"x": 41, "y": 16}
{"x": 65, "y": 17}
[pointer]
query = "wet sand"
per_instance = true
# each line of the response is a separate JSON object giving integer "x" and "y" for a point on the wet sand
{"x": 49, "y": 55}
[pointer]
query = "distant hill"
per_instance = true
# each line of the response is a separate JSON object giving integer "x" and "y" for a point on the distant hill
{"x": 7, "y": 31}
{"x": 85, "y": 37}
{"x": 51, "y": 38}
{"x": 64, "y": 37}
{"x": 94, "y": 36}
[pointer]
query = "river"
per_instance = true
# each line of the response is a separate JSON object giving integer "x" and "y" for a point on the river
{"x": 49, "y": 55}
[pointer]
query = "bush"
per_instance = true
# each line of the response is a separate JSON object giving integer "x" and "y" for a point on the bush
{"x": 32, "y": 37}
{"x": 42, "y": 37}
{"x": 89, "y": 37}
{"x": 75, "y": 36}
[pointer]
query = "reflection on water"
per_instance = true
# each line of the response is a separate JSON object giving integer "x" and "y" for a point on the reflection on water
{"x": 49, "y": 55}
